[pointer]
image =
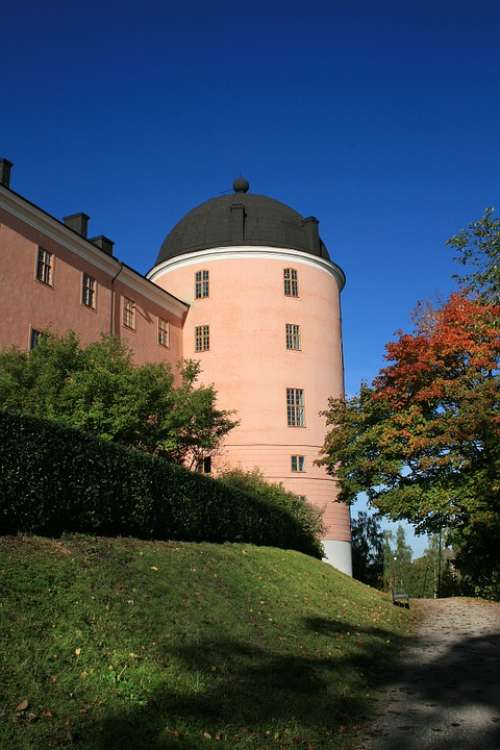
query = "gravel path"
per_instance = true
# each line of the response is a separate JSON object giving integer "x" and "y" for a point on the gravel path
{"x": 448, "y": 694}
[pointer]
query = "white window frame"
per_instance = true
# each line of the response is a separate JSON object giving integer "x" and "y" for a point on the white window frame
{"x": 290, "y": 282}
{"x": 202, "y": 338}
{"x": 164, "y": 333}
{"x": 295, "y": 407}
{"x": 89, "y": 291}
{"x": 201, "y": 284}
{"x": 45, "y": 267}
{"x": 128, "y": 314}
{"x": 292, "y": 336}
{"x": 297, "y": 464}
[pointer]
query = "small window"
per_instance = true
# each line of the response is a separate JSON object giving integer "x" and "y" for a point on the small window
{"x": 163, "y": 332}
{"x": 297, "y": 463}
{"x": 201, "y": 338}
{"x": 129, "y": 313}
{"x": 88, "y": 291}
{"x": 204, "y": 465}
{"x": 201, "y": 284}
{"x": 291, "y": 282}
{"x": 34, "y": 338}
{"x": 295, "y": 407}
{"x": 292, "y": 336}
{"x": 45, "y": 266}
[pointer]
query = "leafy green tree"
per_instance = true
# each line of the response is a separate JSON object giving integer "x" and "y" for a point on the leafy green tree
{"x": 434, "y": 573}
{"x": 421, "y": 582}
{"x": 99, "y": 390}
{"x": 434, "y": 556}
{"x": 367, "y": 549}
{"x": 397, "y": 561}
{"x": 478, "y": 248}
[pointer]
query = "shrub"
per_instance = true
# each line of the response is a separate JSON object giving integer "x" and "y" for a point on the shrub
{"x": 56, "y": 479}
{"x": 308, "y": 517}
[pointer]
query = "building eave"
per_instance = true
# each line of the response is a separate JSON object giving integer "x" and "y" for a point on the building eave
{"x": 24, "y": 210}
{"x": 247, "y": 251}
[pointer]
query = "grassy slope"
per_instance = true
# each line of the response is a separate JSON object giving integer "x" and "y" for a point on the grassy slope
{"x": 119, "y": 643}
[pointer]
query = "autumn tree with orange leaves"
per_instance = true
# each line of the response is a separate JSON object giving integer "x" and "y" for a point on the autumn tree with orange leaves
{"x": 423, "y": 440}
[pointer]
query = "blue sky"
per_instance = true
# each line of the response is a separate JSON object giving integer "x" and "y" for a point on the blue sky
{"x": 382, "y": 119}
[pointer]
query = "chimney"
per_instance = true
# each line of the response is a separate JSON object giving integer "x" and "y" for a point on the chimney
{"x": 237, "y": 223}
{"x": 5, "y": 167}
{"x": 312, "y": 234}
{"x": 78, "y": 222}
{"x": 103, "y": 243}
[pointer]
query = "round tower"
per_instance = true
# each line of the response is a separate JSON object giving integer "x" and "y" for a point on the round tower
{"x": 265, "y": 324}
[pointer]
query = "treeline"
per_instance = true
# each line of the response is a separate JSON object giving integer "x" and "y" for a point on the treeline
{"x": 385, "y": 560}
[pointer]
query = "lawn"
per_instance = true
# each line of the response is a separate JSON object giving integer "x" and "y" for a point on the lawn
{"x": 120, "y": 643}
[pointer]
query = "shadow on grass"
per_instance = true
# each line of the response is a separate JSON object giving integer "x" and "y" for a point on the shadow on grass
{"x": 252, "y": 697}
{"x": 256, "y": 697}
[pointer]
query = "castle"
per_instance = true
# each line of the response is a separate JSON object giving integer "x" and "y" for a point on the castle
{"x": 243, "y": 283}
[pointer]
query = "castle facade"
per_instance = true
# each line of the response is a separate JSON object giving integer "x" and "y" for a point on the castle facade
{"x": 243, "y": 283}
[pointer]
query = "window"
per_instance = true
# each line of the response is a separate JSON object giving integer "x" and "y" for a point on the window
{"x": 88, "y": 290}
{"x": 295, "y": 407}
{"x": 44, "y": 266}
{"x": 291, "y": 282}
{"x": 297, "y": 463}
{"x": 292, "y": 336}
{"x": 201, "y": 338}
{"x": 129, "y": 313}
{"x": 34, "y": 338}
{"x": 163, "y": 332}
{"x": 204, "y": 465}
{"x": 201, "y": 284}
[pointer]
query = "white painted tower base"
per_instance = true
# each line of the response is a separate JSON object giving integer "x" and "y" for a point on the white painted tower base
{"x": 338, "y": 554}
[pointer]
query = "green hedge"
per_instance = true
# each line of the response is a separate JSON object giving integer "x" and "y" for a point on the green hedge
{"x": 56, "y": 479}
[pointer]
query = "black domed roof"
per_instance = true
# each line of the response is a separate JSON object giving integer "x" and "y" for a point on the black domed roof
{"x": 242, "y": 218}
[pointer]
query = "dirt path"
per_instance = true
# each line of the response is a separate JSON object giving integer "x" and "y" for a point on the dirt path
{"x": 448, "y": 693}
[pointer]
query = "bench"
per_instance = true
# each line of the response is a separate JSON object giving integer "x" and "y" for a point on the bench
{"x": 400, "y": 599}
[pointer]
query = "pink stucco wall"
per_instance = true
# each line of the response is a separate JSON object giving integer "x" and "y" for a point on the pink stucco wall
{"x": 144, "y": 339}
{"x": 27, "y": 303}
{"x": 251, "y": 367}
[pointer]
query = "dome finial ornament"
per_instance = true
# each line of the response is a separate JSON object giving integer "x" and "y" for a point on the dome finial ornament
{"x": 241, "y": 185}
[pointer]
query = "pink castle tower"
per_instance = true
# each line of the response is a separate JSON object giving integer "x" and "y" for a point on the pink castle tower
{"x": 265, "y": 323}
